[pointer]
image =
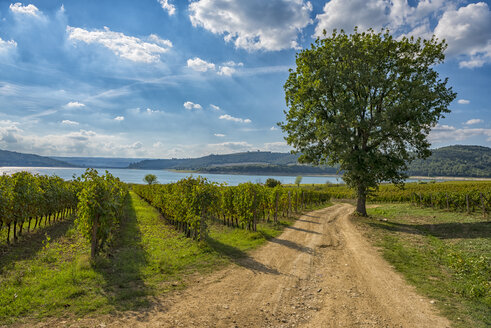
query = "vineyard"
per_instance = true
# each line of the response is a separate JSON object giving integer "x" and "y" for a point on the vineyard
{"x": 189, "y": 203}
{"x": 462, "y": 196}
{"x": 27, "y": 198}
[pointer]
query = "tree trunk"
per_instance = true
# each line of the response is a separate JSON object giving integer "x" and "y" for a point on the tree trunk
{"x": 8, "y": 234}
{"x": 361, "y": 201}
{"x": 93, "y": 244}
{"x": 15, "y": 232}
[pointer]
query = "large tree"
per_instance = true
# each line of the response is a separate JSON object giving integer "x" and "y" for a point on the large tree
{"x": 366, "y": 101}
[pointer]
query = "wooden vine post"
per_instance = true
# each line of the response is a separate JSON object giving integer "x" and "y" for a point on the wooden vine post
{"x": 483, "y": 204}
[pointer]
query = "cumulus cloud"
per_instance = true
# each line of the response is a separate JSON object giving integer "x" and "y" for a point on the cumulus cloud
{"x": 446, "y": 133}
{"x": 463, "y": 101}
{"x": 68, "y": 122}
{"x": 74, "y": 104}
{"x": 78, "y": 143}
{"x": 467, "y": 31}
{"x": 128, "y": 47}
{"x": 190, "y": 105}
{"x": 219, "y": 135}
{"x": 279, "y": 146}
{"x": 228, "y": 147}
{"x": 170, "y": 8}
{"x": 152, "y": 111}
{"x": 200, "y": 65}
{"x": 273, "y": 128}
{"x": 214, "y": 107}
{"x": 119, "y": 118}
{"x": 225, "y": 70}
{"x": 253, "y": 24}
{"x": 30, "y": 9}
{"x": 6, "y": 46}
{"x": 339, "y": 14}
{"x": 234, "y": 119}
{"x": 474, "y": 121}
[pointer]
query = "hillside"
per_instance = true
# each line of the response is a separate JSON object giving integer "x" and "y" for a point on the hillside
{"x": 456, "y": 161}
{"x": 12, "y": 158}
{"x": 98, "y": 162}
{"x": 259, "y": 157}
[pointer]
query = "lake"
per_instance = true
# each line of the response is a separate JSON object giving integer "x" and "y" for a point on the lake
{"x": 163, "y": 176}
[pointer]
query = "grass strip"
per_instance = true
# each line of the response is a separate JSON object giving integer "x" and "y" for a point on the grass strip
{"x": 445, "y": 255}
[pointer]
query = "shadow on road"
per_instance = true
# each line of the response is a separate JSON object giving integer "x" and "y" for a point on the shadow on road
{"x": 239, "y": 257}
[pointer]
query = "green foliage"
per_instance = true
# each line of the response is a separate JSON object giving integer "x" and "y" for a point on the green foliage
{"x": 298, "y": 180}
{"x": 271, "y": 183}
{"x": 189, "y": 202}
{"x": 150, "y": 179}
{"x": 437, "y": 194}
{"x": 100, "y": 207}
{"x": 367, "y": 102}
{"x": 25, "y": 197}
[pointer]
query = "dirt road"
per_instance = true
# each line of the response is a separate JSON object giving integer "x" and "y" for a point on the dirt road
{"x": 319, "y": 273}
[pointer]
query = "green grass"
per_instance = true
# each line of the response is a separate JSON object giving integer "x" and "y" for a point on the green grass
{"x": 51, "y": 274}
{"x": 445, "y": 255}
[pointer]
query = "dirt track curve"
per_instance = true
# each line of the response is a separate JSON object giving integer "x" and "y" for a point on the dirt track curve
{"x": 319, "y": 273}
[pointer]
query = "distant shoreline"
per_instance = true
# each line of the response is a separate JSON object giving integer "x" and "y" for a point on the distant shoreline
{"x": 248, "y": 173}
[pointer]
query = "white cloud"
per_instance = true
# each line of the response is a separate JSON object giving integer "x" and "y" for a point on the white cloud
{"x": 75, "y": 104}
{"x": 463, "y": 101}
{"x": 200, "y": 65}
{"x": 128, "y": 47}
{"x": 225, "y": 70}
{"x": 253, "y": 24}
{"x": 6, "y": 46}
{"x": 231, "y": 63}
{"x": 234, "y": 119}
{"x": 76, "y": 143}
{"x": 190, "y": 105}
{"x": 214, "y": 107}
{"x": 447, "y": 133}
{"x": 227, "y": 147}
{"x": 273, "y": 128}
{"x": 156, "y": 39}
{"x": 152, "y": 111}
{"x": 219, "y": 135}
{"x": 68, "y": 122}
{"x": 30, "y": 9}
{"x": 170, "y": 8}
{"x": 119, "y": 118}
{"x": 340, "y": 14}
{"x": 474, "y": 121}
{"x": 280, "y": 146}
{"x": 467, "y": 31}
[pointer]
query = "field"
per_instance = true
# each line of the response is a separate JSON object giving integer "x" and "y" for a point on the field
{"x": 50, "y": 272}
{"x": 444, "y": 254}
{"x": 150, "y": 250}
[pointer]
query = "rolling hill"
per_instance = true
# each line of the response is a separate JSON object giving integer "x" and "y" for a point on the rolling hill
{"x": 12, "y": 158}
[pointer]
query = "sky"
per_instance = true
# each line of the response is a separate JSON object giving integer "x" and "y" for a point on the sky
{"x": 179, "y": 79}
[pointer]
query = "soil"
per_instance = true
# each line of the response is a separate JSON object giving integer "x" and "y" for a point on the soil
{"x": 320, "y": 272}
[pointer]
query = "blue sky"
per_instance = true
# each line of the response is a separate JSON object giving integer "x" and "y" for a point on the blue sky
{"x": 169, "y": 78}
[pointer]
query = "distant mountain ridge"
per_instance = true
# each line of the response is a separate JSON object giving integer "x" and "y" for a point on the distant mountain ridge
{"x": 451, "y": 161}
{"x": 12, "y": 158}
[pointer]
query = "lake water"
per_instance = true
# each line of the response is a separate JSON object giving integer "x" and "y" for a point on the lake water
{"x": 163, "y": 176}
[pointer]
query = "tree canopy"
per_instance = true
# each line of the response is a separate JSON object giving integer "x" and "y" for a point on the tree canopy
{"x": 150, "y": 179}
{"x": 367, "y": 102}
